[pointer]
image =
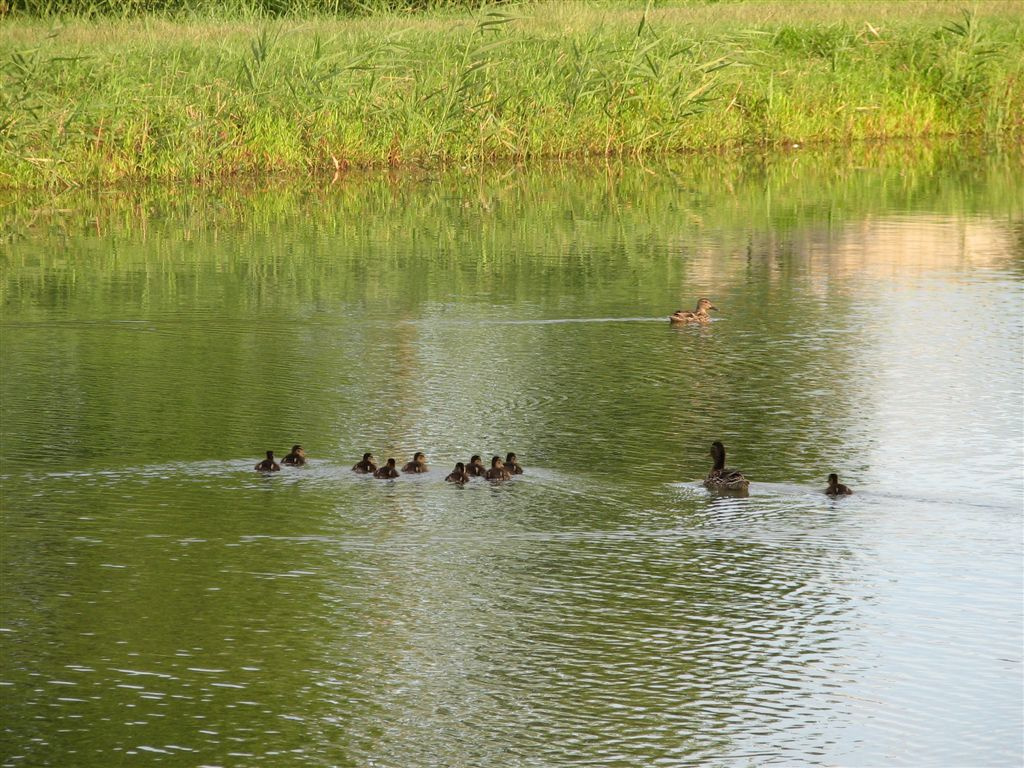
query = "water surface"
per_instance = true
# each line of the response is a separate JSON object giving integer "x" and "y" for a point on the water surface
{"x": 162, "y": 603}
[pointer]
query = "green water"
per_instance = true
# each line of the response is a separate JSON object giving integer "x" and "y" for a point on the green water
{"x": 162, "y": 603}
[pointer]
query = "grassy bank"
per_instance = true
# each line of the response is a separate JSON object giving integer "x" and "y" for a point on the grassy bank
{"x": 101, "y": 101}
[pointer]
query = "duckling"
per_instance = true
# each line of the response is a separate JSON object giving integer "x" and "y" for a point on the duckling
{"x": 417, "y": 465}
{"x": 387, "y": 472}
{"x": 497, "y": 470}
{"x": 721, "y": 478}
{"x": 699, "y": 315}
{"x": 458, "y": 475}
{"x": 268, "y": 464}
{"x": 296, "y": 458}
{"x": 366, "y": 465}
{"x": 476, "y": 467}
{"x": 512, "y": 464}
{"x": 835, "y": 488}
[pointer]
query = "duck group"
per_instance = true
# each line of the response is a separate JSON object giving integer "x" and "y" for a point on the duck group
{"x": 723, "y": 479}
{"x": 294, "y": 458}
{"x": 367, "y": 465}
{"x": 720, "y": 478}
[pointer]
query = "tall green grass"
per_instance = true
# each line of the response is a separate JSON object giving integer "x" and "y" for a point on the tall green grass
{"x": 101, "y": 100}
{"x": 236, "y": 8}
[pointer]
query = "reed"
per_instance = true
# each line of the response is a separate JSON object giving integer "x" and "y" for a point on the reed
{"x": 235, "y": 8}
{"x": 184, "y": 94}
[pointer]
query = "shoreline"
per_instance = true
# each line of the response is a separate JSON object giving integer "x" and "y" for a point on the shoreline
{"x": 802, "y": 180}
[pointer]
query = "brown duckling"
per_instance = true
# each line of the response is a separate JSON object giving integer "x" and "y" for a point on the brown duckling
{"x": 476, "y": 467}
{"x": 268, "y": 464}
{"x": 387, "y": 472}
{"x": 296, "y": 458}
{"x": 722, "y": 478}
{"x": 458, "y": 475}
{"x": 497, "y": 470}
{"x": 835, "y": 488}
{"x": 699, "y": 315}
{"x": 417, "y": 465}
{"x": 512, "y": 464}
{"x": 365, "y": 466}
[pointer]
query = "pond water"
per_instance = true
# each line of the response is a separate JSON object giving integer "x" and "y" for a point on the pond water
{"x": 163, "y": 603}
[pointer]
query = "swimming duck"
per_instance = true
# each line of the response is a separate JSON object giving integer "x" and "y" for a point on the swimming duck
{"x": 296, "y": 458}
{"x": 512, "y": 464}
{"x": 722, "y": 478}
{"x": 268, "y": 464}
{"x": 497, "y": 470}
{"x": 417, "y": 465}
{"x": 699, "y": 315}
{"x": 458, "y": 475}
{"x": 835, "y": 488}
{"x": 366, "y": 465}
{"x": 387, "y": 472}
{"x": 476, "y": 467}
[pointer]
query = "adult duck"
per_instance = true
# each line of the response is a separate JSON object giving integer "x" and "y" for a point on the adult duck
{"x": 699, "y": 315}
{"x": 835, "y": 488}
{"x": 722, "y": 478}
